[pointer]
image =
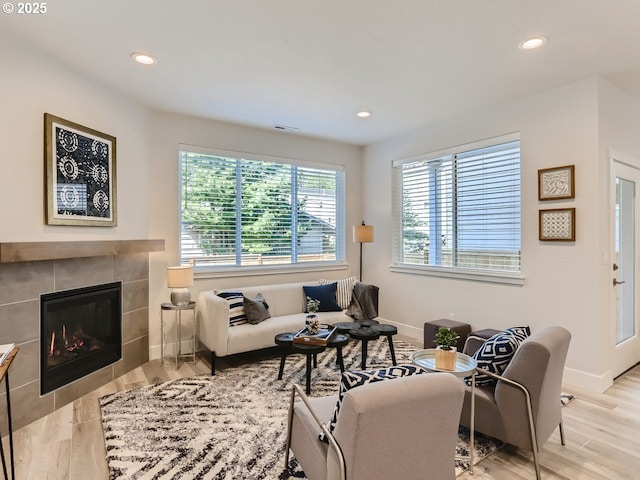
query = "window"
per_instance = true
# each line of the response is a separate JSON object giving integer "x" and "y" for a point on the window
{"x": 460, "y": 208}
{"x": 258, "y": 211}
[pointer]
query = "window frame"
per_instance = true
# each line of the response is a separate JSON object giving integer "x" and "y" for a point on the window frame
{"x": 466, "y": 273}
{"x": 212, "y": 271}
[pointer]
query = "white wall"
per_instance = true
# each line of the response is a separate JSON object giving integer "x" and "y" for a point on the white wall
{"x": 562, "y": 281}
{"x": 30, "y": 85}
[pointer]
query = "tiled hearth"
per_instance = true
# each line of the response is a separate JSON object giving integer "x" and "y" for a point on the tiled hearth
{"x": 22, "y": 282}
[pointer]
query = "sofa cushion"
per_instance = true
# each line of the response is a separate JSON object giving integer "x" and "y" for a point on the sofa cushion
{"x": 344, "y": 290}
{"x": 236, "y": 308}
{"x": 325, "y": 294}
{"x": 495, "y": 354}
{"x": 350, "y": 380}
{"x": 256, "y": 309}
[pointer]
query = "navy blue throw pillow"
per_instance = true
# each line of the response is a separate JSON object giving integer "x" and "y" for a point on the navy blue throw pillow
{"x": 325, "y": 294}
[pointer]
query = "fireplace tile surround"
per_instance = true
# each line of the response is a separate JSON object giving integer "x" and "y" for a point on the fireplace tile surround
{"x": 22, "y": 283}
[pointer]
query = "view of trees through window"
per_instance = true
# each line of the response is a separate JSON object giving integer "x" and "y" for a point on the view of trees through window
{"x": 237, "y": 211}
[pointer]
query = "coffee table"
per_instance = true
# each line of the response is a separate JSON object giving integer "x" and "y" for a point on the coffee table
{"x": 285, "y": 342}
{"x": 465, "y": 367}
{"x": 365, "y": 331}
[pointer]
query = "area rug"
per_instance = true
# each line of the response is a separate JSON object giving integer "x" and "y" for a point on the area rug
{"x": 232, "y": 425}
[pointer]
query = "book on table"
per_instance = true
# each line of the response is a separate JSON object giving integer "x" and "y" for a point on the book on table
{"x": 5, "y": 350}
{"x": 324, "y": 335}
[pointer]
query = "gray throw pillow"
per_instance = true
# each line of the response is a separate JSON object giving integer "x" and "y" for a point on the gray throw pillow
{"x": 256, "y": 309}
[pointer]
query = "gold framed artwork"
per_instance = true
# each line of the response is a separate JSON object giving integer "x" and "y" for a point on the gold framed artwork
{"x": 80, "y": 174}
{"x": 556, "y": 183}
{"x": 557, "y": 224}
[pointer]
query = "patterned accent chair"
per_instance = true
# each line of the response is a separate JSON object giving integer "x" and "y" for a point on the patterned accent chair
{"x": 405, "y": 428}
{"x": 523, "y": 406}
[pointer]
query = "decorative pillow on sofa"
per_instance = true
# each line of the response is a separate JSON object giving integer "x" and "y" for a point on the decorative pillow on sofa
{"x": 236, "y": 308}
{"x": 344, "y": 290}
{"x": 325, "y": 294}
{"x": 351, "y": 380}
{"x": 495, "y": 354}
{"x": 256, "y": 309}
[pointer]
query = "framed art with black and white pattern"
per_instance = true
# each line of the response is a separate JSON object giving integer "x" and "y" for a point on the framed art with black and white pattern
{"x": 557, "y": 224}
{"x": 80, "y": 174}
{"x": 556, "y": 183}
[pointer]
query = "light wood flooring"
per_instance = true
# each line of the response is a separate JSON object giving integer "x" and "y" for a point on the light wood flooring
{"x": 602, "y": 435}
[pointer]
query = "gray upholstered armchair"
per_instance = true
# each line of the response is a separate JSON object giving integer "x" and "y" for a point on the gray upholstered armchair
{"x": 402, "y": 428}
{"x": 523, "y": 408}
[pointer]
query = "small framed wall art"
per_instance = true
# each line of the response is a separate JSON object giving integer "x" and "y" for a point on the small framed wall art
{"x": 556, "y": 183}
{"x": 80, "y": 173}
{"x": 557, "y": 224}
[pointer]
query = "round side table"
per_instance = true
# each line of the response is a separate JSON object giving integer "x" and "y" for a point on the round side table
{"x": 465, "y": 366}
{"x": 178, "y": 309}
{"x": 388, "y": 331}
{"x": 364, "y": 334}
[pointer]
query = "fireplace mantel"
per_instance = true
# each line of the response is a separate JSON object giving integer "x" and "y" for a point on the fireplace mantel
{"x": 12, "y": 252}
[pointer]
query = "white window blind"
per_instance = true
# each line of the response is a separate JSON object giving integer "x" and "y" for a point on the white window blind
{"x": 460, "y": 209}
{"x": 256, "y": 212}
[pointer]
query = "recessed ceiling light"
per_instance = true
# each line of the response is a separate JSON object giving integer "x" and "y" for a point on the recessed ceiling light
{"x": 143, "y": 58}
{"x": 363, "y": 114}
{"x": 532, "y": 43}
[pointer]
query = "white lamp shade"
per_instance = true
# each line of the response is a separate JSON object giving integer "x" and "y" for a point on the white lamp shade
{"x": 179, "y": 277}
{"x": 363, "y": 233}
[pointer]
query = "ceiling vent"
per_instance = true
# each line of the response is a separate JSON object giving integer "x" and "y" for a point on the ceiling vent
{"x": 285, "y": 128}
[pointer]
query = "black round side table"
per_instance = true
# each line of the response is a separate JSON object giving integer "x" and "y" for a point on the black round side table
{"x": 311, "y": 351}
{"x": 338, "y": 341}
{"x": 388, "y": 331}
{"x": 364, "y": 334}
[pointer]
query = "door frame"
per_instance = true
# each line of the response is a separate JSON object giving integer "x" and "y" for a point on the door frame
{"x": 632, "y": 162}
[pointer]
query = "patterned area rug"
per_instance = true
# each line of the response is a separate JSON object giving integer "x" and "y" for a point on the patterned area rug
{"x": 233, "y": 425}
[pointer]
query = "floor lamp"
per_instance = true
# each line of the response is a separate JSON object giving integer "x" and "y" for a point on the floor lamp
{"x": 362, "y": 234}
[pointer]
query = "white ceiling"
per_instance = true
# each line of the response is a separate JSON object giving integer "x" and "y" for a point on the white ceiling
{"x": 312, "y": 64}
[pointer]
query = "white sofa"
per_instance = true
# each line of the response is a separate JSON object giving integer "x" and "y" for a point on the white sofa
{"x": 287, "y": 305}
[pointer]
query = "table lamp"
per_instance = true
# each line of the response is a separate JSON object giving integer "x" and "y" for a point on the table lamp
{"x": 178, "y": 279}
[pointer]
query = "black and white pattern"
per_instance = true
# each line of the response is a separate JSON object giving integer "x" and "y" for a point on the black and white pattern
{"x": 495, "y": 354}
{"x": 236, "y": 308}
{"x": 82, "y": 175}
{"x": 229, "y": 426}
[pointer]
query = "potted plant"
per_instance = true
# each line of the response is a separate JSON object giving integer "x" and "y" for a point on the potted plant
{"x": 444, "y": 339}
{"x": 313, "y": 324}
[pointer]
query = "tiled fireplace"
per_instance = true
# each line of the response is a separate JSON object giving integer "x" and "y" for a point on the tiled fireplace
{"x": 24, "y": 277}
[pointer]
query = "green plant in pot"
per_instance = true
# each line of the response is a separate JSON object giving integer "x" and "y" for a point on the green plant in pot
{"x": 445, "y": 339}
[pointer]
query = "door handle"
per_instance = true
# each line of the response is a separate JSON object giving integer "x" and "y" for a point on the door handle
{"x": 616, "y": 282}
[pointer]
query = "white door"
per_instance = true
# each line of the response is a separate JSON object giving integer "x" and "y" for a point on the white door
{"x": 624, "y": 272}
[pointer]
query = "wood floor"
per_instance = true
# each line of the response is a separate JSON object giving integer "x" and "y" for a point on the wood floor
{"x": 602, "y": 435}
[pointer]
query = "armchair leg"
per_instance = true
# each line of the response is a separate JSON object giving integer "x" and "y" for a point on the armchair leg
{"x": 561, "y": 433}
{"x": 289, "y": 426}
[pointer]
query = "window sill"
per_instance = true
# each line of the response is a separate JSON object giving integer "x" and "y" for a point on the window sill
{"x": 484, "y": 276}
{"x": 233, "y": 271}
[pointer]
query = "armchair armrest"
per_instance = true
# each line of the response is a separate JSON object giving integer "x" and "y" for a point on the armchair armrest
{"x": 523, "y": 389}
{"x": 332, "y": 441}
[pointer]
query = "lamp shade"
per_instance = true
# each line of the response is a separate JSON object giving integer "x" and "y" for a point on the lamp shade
{"x": 363, "y": 233}
{"x": 179, "y": 277}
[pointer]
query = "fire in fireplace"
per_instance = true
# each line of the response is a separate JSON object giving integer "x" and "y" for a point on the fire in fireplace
{"x": 80, "y": 332}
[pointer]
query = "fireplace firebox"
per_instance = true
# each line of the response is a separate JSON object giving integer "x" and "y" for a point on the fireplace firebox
{"x": 80, "y": 332}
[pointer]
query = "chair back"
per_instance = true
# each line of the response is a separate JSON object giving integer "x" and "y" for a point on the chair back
{"x": 538, "y": 365}
{"x": 402, "y": 428}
